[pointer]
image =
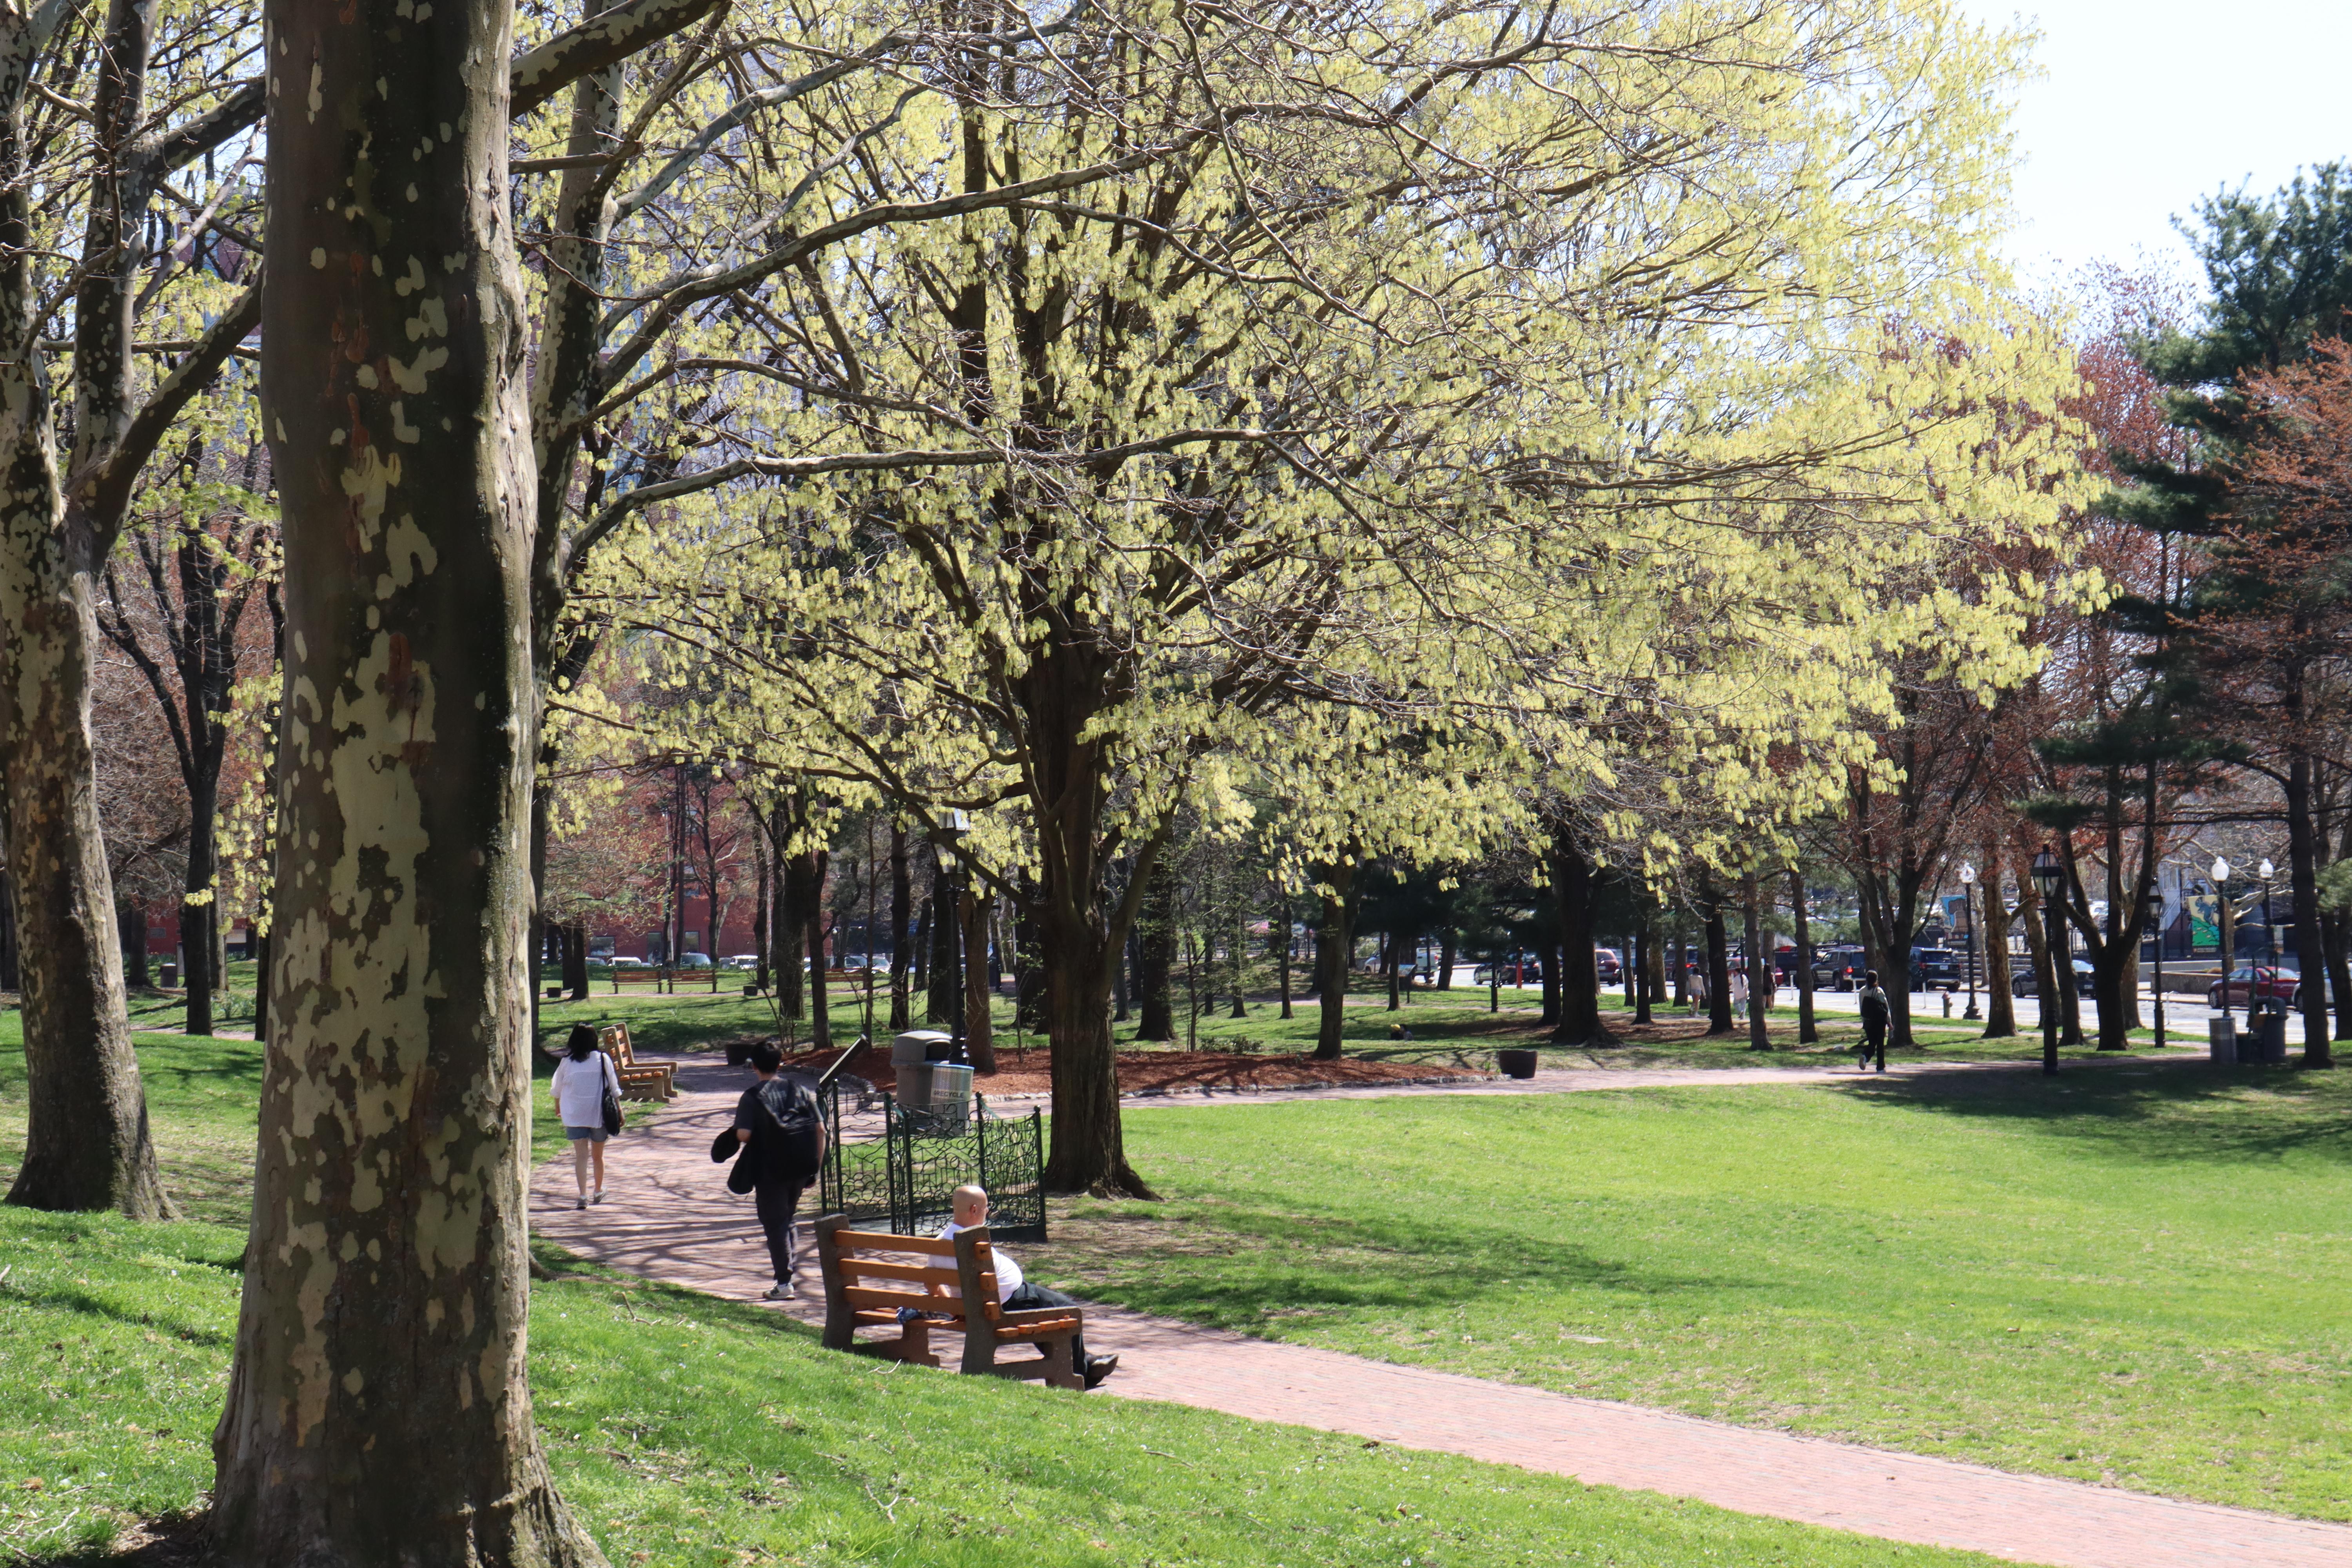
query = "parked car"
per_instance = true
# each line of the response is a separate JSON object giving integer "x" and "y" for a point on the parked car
{"x": 1840, "y": 966}
{"x": 1528, "y": 973}
{"x": 1611, "y": 964}
{"x": 742, "y": 961}
{"x": 2022, "y": 983}
{"x": 1933, "y": 966}
{"x": 626, "y": 962}
{"x": 2268, "y": 981}
{"x": 692, "y": 961}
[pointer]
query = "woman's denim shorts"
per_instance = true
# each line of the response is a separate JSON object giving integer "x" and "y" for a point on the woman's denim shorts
{"x": 593, "y": 1134}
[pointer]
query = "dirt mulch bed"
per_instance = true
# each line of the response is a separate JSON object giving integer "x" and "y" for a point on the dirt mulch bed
{"x": 1161, "y": 1072}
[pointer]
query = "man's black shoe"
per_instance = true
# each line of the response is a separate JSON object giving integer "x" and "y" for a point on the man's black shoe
{"x": 1100, "y": 1367}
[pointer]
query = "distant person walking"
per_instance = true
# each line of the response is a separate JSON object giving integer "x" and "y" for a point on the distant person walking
{"x": 1739, "y": 990}
{"x": 1875, "y": 1013}
{"x": 582, "y": 1077}
{"x": 778, "y": 1119}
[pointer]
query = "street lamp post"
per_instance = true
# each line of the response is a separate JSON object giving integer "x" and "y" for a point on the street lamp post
{"x": 1969, "y": 908}
{"x": 2226, "y": 917}
{"x": 2046, "y": 872}
{"x": 2270, "y": 938}
{"x": 2156, "y": 924}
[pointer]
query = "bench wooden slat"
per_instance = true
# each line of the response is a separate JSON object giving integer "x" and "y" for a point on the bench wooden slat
{"x": 876, "y": 1268}
{"x": 882, "y": 1241}
{"x": 867, "y": 1295}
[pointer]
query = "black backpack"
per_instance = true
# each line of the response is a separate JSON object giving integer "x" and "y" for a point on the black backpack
{"x": 789, "y": 1133}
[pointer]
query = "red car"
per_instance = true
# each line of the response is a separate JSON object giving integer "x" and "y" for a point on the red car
{"x": 2267, "y": 982}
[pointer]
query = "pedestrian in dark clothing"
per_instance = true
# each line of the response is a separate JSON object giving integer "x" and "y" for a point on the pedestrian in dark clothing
{"x": 778, "y": 1119}
{"x": 1875, "y": 1012}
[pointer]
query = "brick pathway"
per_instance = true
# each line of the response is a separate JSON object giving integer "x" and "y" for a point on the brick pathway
{"x": 669, "y": 1217}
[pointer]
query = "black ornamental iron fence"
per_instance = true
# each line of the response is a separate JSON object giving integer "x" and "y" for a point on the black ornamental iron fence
{"x": 905, "y": 1178}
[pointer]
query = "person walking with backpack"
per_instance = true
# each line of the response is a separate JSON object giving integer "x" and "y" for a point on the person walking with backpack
{"x": 782, "y": 1132}
{"x": 1875, "y": 1013}
{"x": 584, "y": 1077}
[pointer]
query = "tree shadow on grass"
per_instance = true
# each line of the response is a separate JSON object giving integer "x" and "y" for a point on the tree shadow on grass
{"x": 2150, "y": 1111}
{"x": 1261, "y": 1264}
{"x": 168, "y": 1540}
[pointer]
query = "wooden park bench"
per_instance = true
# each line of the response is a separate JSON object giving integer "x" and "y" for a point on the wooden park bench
{"x": 657, "y": 978}
{"x": 851, "y": 1258}
{"x": 639, "y": 1080}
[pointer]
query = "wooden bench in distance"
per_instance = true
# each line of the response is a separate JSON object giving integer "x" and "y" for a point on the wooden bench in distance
{"x": 639, "y": 1080}
{"x": 659, "y": 979}
{"x": 867, "y": 1287}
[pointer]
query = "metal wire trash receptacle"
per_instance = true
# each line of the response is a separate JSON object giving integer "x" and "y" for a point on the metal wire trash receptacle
{"x": 905, "y": 1179}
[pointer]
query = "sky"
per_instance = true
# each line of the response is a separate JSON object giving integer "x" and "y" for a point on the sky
{"x": 2144, "y": 107}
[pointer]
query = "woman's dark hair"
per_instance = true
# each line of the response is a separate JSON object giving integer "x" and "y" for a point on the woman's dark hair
{"x": 1872, "y": 978}
{"x": 582, "y": 1041}
{"x": 766, "y": 1058}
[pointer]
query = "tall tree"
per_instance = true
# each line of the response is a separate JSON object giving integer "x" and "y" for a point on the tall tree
{"x": 177, "y": 608}
{"x": 395, "y": 1115}
{"x": 83, "y": 146}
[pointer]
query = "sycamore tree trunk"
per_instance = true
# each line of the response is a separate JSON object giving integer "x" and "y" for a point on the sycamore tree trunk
{"x": 379, "y": 1412}
{"x": 86, "y": 1143}
{"x": 1335, "y": 940}
{"x": 7, "y": 908}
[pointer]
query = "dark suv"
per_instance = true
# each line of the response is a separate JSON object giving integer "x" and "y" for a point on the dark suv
{"x": 1933, "y": 966}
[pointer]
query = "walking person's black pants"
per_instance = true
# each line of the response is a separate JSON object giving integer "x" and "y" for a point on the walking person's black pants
{"x": 1874, "y": 1044}
{"x": 1029, "y": 1297}
{"x": 775, "y": 1202}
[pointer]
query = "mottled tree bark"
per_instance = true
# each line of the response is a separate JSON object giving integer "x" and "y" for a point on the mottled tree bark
{"x": 379, "y": 1412}
{"x": 87, "y": 1143}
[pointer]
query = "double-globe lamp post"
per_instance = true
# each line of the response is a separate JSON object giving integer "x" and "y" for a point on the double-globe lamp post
{"x": 2046, "y": 871}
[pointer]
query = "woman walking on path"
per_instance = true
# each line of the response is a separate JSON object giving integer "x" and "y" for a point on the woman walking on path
{"x": 581, "y": 1079}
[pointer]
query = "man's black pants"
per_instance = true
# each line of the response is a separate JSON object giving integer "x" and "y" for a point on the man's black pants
{"x": 775, "y": 1202}
{"x": 1874, "y": 1044}
{"x": 1029, "y": 1297}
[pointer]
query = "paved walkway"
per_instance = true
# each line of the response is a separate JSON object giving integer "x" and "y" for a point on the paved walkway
{"x": 669, "y": 1217}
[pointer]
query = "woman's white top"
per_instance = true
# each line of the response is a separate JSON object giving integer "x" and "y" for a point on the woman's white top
{"x": 579, "y": 1089}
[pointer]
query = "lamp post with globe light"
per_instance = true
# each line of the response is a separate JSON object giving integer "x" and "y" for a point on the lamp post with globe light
{"x": 2225, "y": 918}
{"x": 2155, "y": 993}
{"x": 2046, "y": 871}
{"x": 1969, "y": 908}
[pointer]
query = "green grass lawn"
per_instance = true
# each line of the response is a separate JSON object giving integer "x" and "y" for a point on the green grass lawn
{"x": 2134, "y": 1275}
{"x": 691, "y": 1431}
